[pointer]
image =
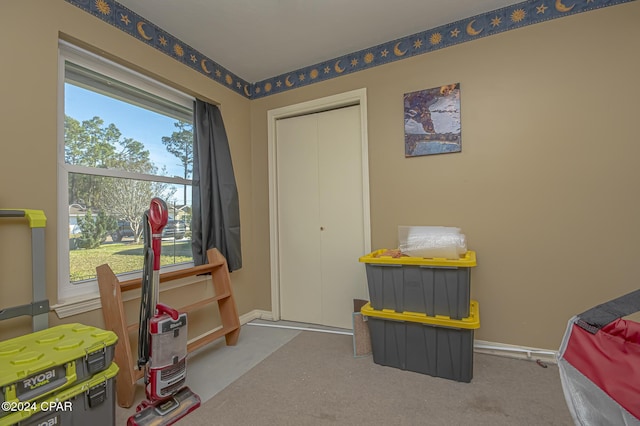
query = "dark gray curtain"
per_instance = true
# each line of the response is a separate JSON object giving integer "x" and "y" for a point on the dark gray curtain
{"x": 216, "y": 213}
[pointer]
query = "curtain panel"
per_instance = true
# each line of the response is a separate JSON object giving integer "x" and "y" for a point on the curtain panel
{"x": 216, "y": 211}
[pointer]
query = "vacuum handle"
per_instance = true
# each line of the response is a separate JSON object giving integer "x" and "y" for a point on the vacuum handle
{"x": 164, "y": 309}
{"x": 158, "y": 217}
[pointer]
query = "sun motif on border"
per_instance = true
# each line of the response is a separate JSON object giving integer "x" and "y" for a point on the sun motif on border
{"x": 435, "y": 38}
{"x": 518, "y": 15}
{"x": 178, "y": 50}
{"x": 103, "y": 7}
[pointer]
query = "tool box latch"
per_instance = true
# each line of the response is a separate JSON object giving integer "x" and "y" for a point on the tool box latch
{"x": 96, "y": 360}
{"x": 97, "y": 395}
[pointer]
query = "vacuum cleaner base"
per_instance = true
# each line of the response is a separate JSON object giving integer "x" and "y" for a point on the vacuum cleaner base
{"x": 166, "y": 411}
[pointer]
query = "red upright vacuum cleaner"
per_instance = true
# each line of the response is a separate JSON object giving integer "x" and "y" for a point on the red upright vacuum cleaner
{"x": 162, "y": 337}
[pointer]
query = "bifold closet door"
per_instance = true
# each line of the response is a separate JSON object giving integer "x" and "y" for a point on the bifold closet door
{"x": 321, "y": 217}
{"x": 298, "y": 219}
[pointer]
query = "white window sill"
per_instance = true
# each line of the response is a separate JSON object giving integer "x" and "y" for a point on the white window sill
{"x": 77, "y": 306}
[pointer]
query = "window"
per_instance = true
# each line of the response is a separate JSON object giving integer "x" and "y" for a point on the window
{"x": 124, "y": 139}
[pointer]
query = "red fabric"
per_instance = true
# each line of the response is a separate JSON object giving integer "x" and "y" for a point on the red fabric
{"x": 610, "y": 359}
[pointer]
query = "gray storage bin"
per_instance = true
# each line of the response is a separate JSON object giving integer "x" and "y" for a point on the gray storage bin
{"x": 400, "y": 341}
{"x": 429, "y": 286}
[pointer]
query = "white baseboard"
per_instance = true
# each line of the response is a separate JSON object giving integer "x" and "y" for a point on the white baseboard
{"x": 480, "y": 346}
{"x": 255, "y": 314}
{"x": 515, "y": 351}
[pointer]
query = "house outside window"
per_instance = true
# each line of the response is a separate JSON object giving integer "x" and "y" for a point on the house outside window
{"x": 124, "y": 139}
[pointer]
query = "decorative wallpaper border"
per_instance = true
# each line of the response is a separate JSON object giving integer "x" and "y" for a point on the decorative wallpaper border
{"x": 508, "y": 18}
{"x": 135, "y": 25}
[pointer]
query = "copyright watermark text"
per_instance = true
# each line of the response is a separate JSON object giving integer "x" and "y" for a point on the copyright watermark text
{"x": 19, "y": 406}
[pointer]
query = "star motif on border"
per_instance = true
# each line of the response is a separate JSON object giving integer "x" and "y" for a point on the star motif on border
{"x": 278, "y": 83}
{"x": 193, "y": 58}
{"x": 542, "y": 8}
{"x": 354, "y": 62}
{"x": 496, "y": 21}
{"x": 218, "y": 73}
{"x": 125, "y": 19}
{"x": 301, "y": 77}
{"x": 455, "y": 32}
{"x": 163, "y": 41}
{"x": 417, "y": 44}
{"x": 384, "y": 53}
{"x": 327, "y": 70}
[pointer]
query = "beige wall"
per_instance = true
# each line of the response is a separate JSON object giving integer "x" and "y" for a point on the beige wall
{"x": 28, "y": 118}
{"x": 545, "y": 187}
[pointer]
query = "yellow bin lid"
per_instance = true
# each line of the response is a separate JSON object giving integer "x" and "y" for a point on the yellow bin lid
{"x": 471, "y": 322}
{"x": 466, "y": 261}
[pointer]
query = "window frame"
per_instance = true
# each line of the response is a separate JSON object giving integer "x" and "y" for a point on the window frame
{"x": 67, "y": 291}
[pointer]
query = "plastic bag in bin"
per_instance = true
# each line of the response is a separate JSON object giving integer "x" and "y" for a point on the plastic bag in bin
{"x": 432, "y": 241}
{"x": 599, "y": 363}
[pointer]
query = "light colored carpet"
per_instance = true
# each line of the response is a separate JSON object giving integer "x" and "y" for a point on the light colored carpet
{"x": 315, "y": 380}
{"x": 215, "y": 366}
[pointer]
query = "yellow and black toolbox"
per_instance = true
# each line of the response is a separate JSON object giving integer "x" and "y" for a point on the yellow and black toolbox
{"x": 91, "y": 402}
{"x": 41, "y": 364}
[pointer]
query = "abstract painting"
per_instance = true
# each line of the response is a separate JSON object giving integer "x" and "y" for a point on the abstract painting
{"x": 432, "y": 121}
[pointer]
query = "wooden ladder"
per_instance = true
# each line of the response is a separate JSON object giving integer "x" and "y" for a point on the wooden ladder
{"x": 114, "y": 316}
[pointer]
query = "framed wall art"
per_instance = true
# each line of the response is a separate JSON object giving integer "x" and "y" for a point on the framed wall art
{"x": 432, "y": 121}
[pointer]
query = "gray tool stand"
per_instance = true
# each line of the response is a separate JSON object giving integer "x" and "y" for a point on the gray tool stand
{"x": 39, "y": 308}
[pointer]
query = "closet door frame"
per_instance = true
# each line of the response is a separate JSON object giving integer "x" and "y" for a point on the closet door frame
{"x": 354, "y": 97}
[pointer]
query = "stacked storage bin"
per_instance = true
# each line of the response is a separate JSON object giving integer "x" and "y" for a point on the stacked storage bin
{"x": 420, "y": 314}
{"x": 59, "y": 376}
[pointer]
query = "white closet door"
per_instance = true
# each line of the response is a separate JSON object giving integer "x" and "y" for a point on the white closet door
{"x": 298, "y": 218}
{"x": 321, "y": 218}
{"x": 341, "y": 214}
